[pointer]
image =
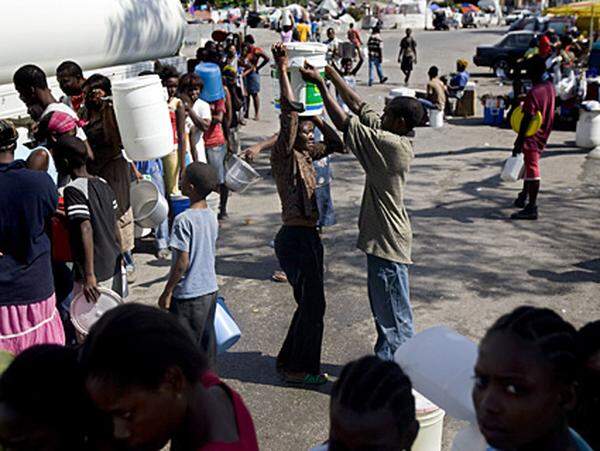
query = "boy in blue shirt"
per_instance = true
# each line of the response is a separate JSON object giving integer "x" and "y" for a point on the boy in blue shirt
{"x": 191, "y": 291}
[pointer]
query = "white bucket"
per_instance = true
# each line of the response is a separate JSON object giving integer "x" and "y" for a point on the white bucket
{"x": 149, "y": 207}
{"x": 440, "y": 364}
{"x": 240, "y": 175}
{"x": 431, "y": 425}
{"x": 307, "y": 93}
{"x": 587, "y": 133}
{"x": 513, "y": 168}
{"x": 400, "y": 92}
{"x": 436, "y": 118}
{"x": 143, "y": 117}
{"x": 226, "y": 330}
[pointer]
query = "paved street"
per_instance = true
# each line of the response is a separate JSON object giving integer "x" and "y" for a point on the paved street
{"x": 471, "y": 264}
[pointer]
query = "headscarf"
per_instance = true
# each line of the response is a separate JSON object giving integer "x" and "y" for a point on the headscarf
{"x": 61, "y": 123}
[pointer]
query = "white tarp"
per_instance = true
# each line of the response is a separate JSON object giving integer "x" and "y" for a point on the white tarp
{"x": 331, "y": 6}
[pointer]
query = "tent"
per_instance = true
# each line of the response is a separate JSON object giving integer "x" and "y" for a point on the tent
{"x": 587, "y": 13}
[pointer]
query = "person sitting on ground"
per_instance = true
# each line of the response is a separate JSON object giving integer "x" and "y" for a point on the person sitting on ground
{"x": 44, "y": 405}
{"x": 584, "y": 418}
{"x": 91, "y": 209}
{"x": 372, "y": 407}
{"x": 28, "y": 314}
{"x": 191, "y": 291}
{"x": 298, "y": 244}
{"x": 144, "y": 371}
{"x": 525, "y": 382}
{"x": 539, "y": 100}
{"x": 436, "y": 90}
{"x": 459, "y": 80}
{"x": 70, "y": 79}
{"x": 384, "y": 151}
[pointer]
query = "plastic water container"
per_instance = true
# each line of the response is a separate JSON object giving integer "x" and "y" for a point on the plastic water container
{"x": 307, "y": 93}
{"x": 226, "y": 330}
{"x": 179, "y": 204}
{"x": 149, "y": 206}
{"x": 84, "y": 314}
{"x": 513, "y": 168}
{"x": 431, "y": 424}
{"x": 210, "y": 73}
{"x": 436, "y": 118}
{"x": 143, "y": 117}
{"x": 587, "y": 133}
{"x": 440, "y": 362}
{"x": 240, "y": 175}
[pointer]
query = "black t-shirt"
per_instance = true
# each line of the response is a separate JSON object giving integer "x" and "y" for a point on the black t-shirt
{"x": 93, "y": 199}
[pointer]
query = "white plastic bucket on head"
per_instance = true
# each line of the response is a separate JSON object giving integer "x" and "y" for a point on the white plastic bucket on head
{"x": 440, "y": 363}
{"x": 149, "y": 207}
{"x": 431, "y": 424}
{"x": 436, "y": 118}
{"x": 513, "y": 168}
{"x": 143, "y": 117}
{"x": 227, "y": 331}
{"x": 240, "y": 175}
{"x": 308, "y": 94}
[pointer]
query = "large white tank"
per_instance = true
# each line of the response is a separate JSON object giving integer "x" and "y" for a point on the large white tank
{"x": 94, "y": 33}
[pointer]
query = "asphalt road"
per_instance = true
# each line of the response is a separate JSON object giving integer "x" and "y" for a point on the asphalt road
{"x": 471, "y": 264}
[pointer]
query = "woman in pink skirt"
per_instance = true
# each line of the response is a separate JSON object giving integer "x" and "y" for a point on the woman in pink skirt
{"x": 28, "y": 199}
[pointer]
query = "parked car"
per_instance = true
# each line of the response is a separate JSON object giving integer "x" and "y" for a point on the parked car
{"x": 541, "y": 24}
{"x": 516, "y": 14}
{"x": 477, "y": 19}
{"x": 503, "y": 56}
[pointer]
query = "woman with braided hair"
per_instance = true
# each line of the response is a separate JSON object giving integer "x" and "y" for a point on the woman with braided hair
{"x": 525, "y": 381}
{"x": 372, "y": 407}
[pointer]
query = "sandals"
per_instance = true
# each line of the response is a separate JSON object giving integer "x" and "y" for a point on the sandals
{"x": 304, "y": 379}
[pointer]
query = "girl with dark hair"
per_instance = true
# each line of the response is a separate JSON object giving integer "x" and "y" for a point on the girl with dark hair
{"x": 525, "y": 382}
{"x": 372, "y": 407}
{"x": 144, "y": 371}
{"x": 109, "y": 163}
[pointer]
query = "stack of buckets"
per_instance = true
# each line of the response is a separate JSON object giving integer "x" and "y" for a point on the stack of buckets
{"x": 493, "y": 111}
{"x": 307, "y": 93}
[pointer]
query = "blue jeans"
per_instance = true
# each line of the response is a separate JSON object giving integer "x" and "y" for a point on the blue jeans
{"x": 375, "y": 63}
{"x": 389, "y": 296}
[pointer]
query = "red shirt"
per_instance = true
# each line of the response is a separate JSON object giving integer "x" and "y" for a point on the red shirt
{"x": 354, "y": 37}
{"x": 540, "y": 99}
{"x": 247, "y": 435}
{"x": 214, "y": 136}
{"x": 545, "y": 47}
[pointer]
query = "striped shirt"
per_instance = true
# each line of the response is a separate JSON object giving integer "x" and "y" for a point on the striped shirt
{"x": 93, "y": 199}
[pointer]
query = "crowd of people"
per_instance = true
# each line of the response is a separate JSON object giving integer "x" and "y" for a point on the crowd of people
{"x": 147, "y": 376}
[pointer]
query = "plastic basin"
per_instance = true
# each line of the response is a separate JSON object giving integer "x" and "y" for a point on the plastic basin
{"x": 149, "y": 207}
{"x": 240, "y": 175}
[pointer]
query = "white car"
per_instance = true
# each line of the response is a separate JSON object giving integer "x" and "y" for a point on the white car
{"x": 516, "y": 15}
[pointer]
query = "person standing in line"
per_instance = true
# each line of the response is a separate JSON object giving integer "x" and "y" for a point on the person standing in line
{"x": 539, "y": 101}
{"x": 198, "y": 114}
{"x": 408, "y": 55}
{"x": 191, "y": 291}
{"x": 70, "y": 79}
{"x": 298, "y": 245}
{"x": 254, "y": 59}
{"x": 28, "y": 313}
{"x": 108, "y": 162}
{"x": 375, "y": 47}
{"x": 384, "y": 151}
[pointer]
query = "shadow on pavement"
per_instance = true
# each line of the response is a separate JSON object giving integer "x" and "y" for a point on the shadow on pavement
{"x": 589, "y": 272}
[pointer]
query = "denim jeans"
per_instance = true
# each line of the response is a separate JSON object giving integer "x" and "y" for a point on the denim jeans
{"x": 300, "y": 254}
{"x": 389, "y": 296}
{"x": 375, "y": 63}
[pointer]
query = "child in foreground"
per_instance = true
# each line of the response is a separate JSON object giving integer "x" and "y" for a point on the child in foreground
{"x": 372, "y": 407}
{"x": 525, "y": 382}
{"x": 143, "y": 370}
{"x": 191, "y": 291}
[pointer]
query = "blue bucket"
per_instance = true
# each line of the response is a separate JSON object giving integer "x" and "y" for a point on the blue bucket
{"x": 210, "y": 73}
{"x": 227, "y": 331}
{"x": 179, "y": 204}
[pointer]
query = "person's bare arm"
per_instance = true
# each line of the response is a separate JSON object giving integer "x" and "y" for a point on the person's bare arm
{"x": 350, "y": 97}
{"x": 90, "y": 284}
{"x": 180, "y": 124}
{"x": 251, "y": 152}
{"x": 288, "y": 118}
{"x": 177, "y": 272}
{"x": 265, "y": 60}
{"x": 193, "y": 150}
{"x": 334, "y": 110}
{"x": 201, "y": 123}
{"x": 518, "y": 148}
{"x": 330, "y": 136}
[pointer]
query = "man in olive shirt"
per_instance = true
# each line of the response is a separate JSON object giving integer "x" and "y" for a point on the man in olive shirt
{"x": 383, "y": 150}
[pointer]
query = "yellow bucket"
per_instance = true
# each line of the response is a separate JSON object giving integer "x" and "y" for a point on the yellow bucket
{"x": 517, "y": 117}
